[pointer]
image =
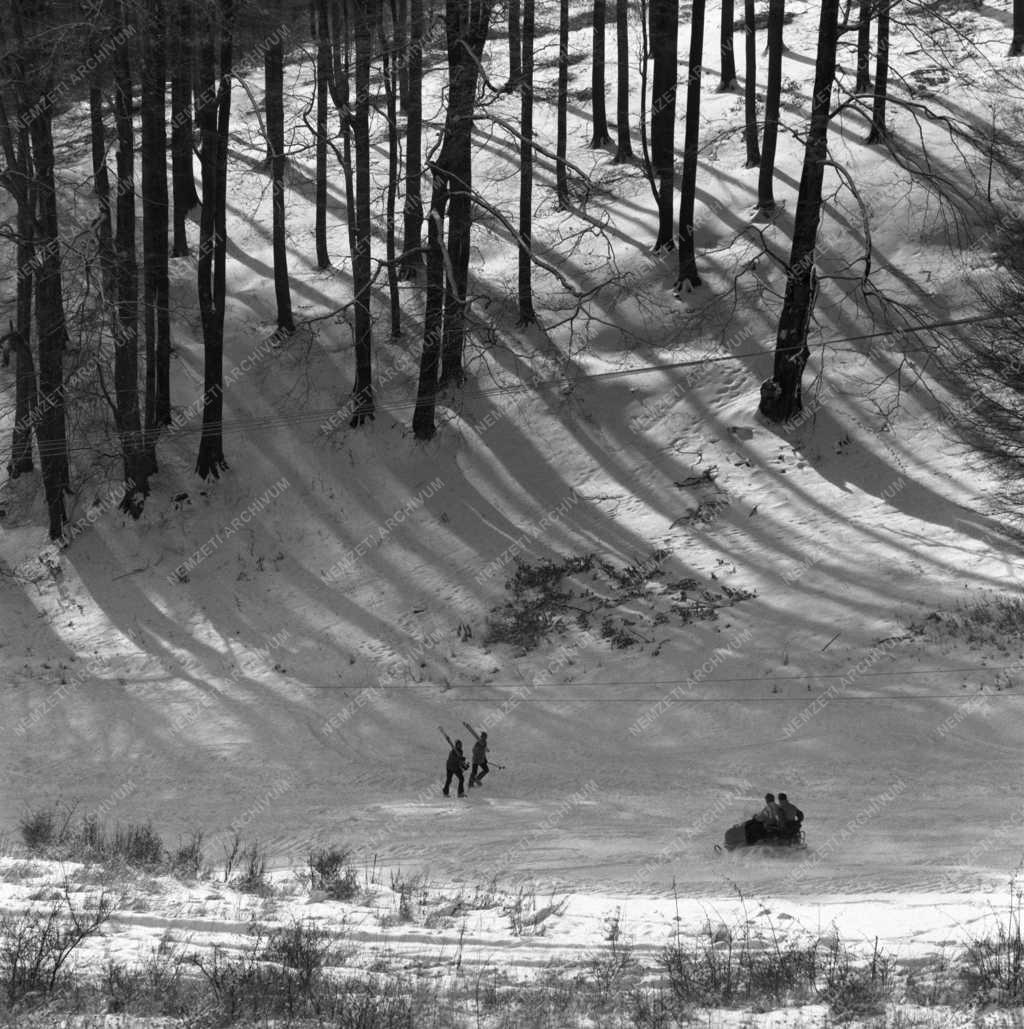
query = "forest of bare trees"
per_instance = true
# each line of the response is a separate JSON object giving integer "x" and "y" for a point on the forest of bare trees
{"x": 160, "y": 83}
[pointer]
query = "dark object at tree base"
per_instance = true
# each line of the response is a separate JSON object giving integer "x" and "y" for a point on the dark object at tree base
{"x": 753, "y": 834}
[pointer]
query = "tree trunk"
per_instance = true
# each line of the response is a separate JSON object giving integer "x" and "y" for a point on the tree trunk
{"x": 126, "y": 336}
{"x": 515, "y": 45}
{"x": 363, "y": 388}
{"x": 392, "y": 58}
{"x": 877, "y": 133}
{"x": 863, "y": 83}
{"x": 688, "y": 277}
{"x": 412, "y": 260}
{"x": 155, "y": 212}
{"x": 467, "y": 23}
{"x": 623, "y": 148}
{"x": 527, "y": 315}
{"x": 600, "y": 136}
{"x": 750, "y": 87}
{"x": 25, "y": 409}
{"x": 1017, "y": 43}
{"x": 781, "y": 396}
{"x": 213, "y": 113}
{"x": 274, "y": 72}
{"x": 101, "y": 186}
{"x": 18, "y": 180}
{"x": 182, "y": 177}
{"x": 773, "y": 97}
{"x": 400, "y": 57}
{"x": 664, "y": 34}
{"x": 561, "y": 131}
{"x": 51, "y": 429}
{"x": 323, "y": 70}
{"x": 728, "y": 81}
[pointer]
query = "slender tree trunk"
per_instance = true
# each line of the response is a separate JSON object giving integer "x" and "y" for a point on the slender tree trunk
{"x": 363, "y": 388}
{"x": 863, "y": 83}
{"x": 182, "y": 176}
{"x": 688, "y": 277}
{"x": 515, "y": 44}
{"x": 392, "y": 59}
{"x": 25, "y": 397}
{"x": 1017, "y": 44}
{"x": 400, "y": 57}
{"x": 728, "y": 81}
{"x": 323, "y": 70}
{"x": 623, "y": 147}
{"x": 467, "y": 24}
{"x": 664, "y": 34}
{"x": 527, "y": 315}
{"x": 101, "y": 187}
{"x": 600, "y": 136}
{"x": 781, "y": 396}
{"x": 213, "y": 113}
{"x": 51, "y": 429}
{"x": 341, "y": 49}
{"x": 878, "y": 133}
{"x": 17, "y": 179}
{"x": 274, "y": 72}
{"x": 25, "y": 370}
{"x": 126, "y": 336}
{"x": 412, "y": 260}
{"x": 750, "y": 87}
{"x": 155, "y": 225}
{"x": 773, "y": 98}
{"x": 561, "y": 130}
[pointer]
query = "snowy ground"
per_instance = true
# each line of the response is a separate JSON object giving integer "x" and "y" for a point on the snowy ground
{"x": 246, "y": 692}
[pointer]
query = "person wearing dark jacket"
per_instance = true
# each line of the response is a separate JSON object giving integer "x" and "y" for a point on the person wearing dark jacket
{"x": 765, "y": 822}
{"x": 457, "y": 764}
{"x": 790, "y": 816}
{"x": 479, "y": 756}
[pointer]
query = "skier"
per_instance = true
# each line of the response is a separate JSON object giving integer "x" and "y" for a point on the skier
{"x": 456, "y": 765}
{"x": 791, "y": 817}
{"x": 479, "y": 756}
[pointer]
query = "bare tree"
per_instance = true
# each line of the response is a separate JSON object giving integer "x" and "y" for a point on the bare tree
{"x": 323, "y": 73}
{"x": 772, "y": 103}
{"x": 515, "y": 44}
{"x": 393, "y": 59}
{"x": 728, "y": 80}
{"x": 688, "y": 277}
{"x": 274, "y": 77}
{"x": 877, "y": 133}
{"x": 600, "y": 136}
{"x": 17, "y": 178}
{"x": 561, "y": 123}
{"x": 781, "y": 396}
{"x": 623, "y": 147}
{"x": 863, "y": 82}
{"x": 182, "y": 175}
{"x": 412, "y": 260}
{"x": 527, "y": 315}
{"x": 156, "y": 285}
{"x": 467, "y": 22}
{"x": 213, "y": 115}
{"x": 664, "y": 36}
{"x": 361, "y": 255}
{"x": 750, "y": 87}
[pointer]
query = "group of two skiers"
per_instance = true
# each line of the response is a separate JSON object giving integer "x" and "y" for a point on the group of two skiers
{"x": 457, "y": 762}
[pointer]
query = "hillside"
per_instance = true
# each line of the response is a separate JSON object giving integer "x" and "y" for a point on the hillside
{"x": 721, "y": 606}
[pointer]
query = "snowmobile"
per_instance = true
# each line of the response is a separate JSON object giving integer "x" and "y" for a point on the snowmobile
{"x": 752, "y": 833}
